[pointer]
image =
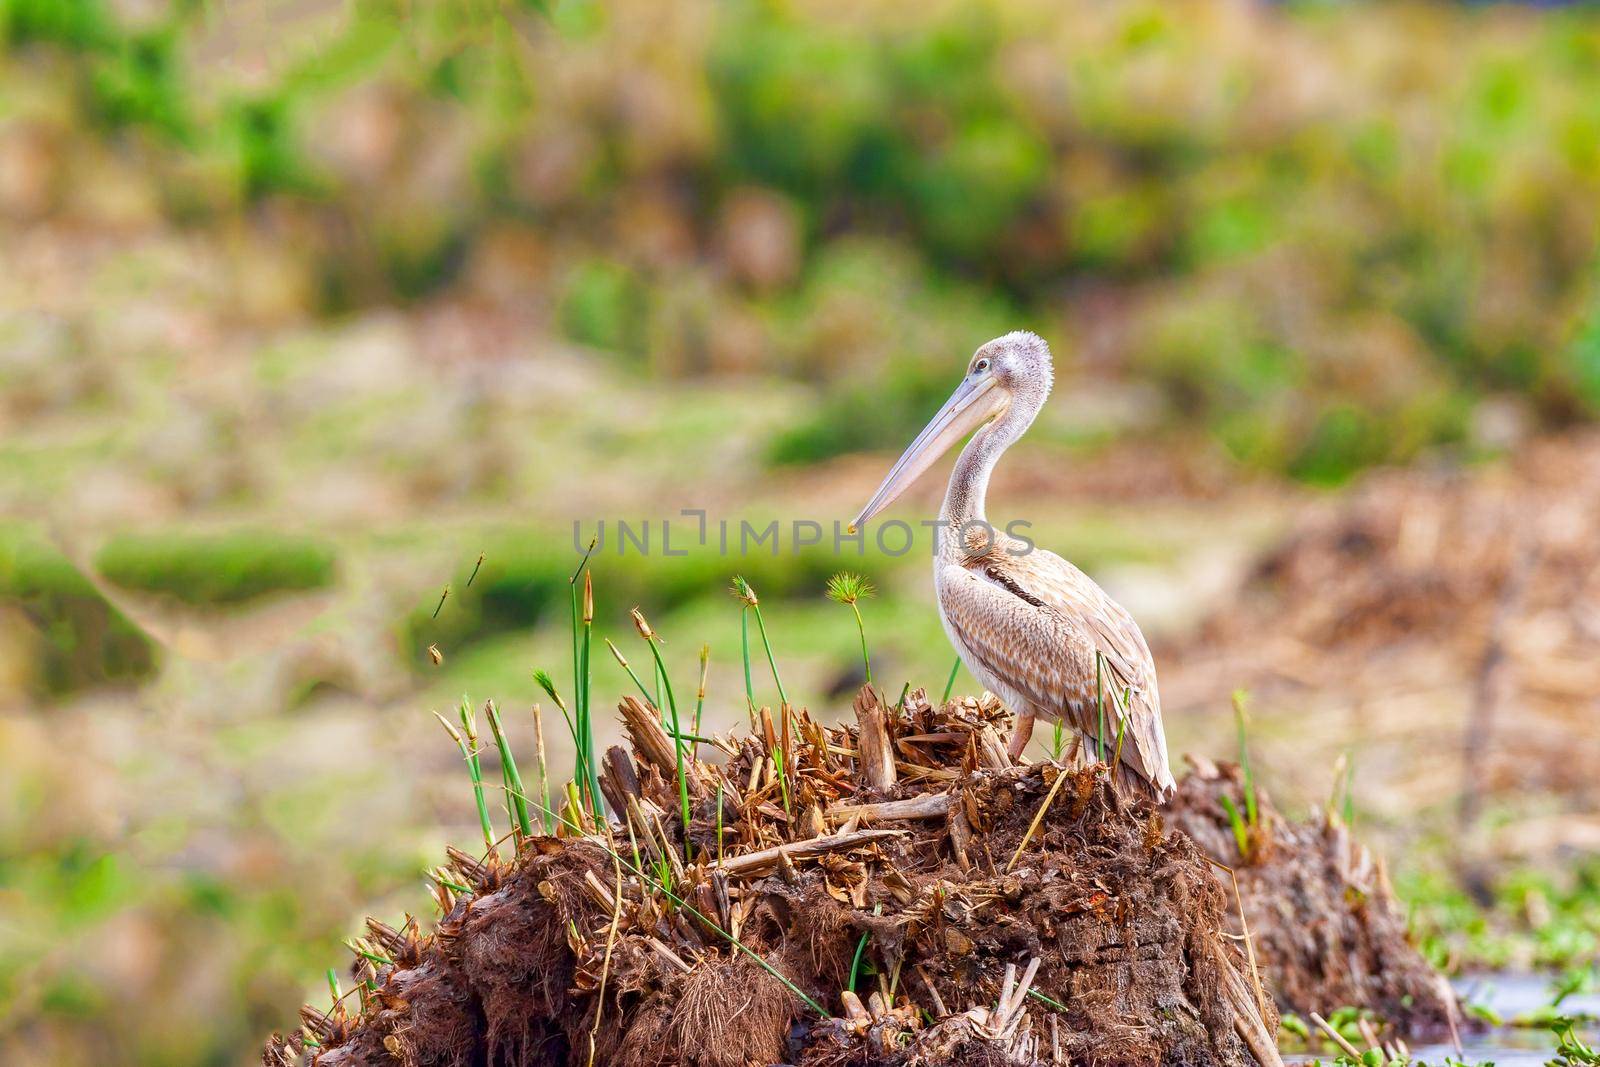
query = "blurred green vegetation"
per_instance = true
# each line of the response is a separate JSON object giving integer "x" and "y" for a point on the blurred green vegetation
{"x": 1325, "y": 235}
{"x": 76, "y": 637}
{"x": 525, "y": 585}
{"x": 218, "y": 570}
{"x": 1544, "y": 919}
{"x": 132, "y": 950}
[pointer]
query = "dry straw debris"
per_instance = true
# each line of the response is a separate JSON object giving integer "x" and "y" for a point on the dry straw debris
{"x": 1447, "y": 618}
{"x": 1320, "y": 907}
{"x": 900, "y": 894}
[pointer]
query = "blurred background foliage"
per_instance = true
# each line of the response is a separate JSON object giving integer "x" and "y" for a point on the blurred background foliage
{"x": 1320, "y": 235}
{"x": 303, "y": 306}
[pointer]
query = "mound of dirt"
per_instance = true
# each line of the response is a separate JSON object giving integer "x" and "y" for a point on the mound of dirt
{"x": 891, "y": 892}
{"x": 1448, "y": 617}
{"x": 1323, "y": 917}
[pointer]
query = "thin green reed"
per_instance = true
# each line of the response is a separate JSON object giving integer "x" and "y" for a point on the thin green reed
{"x": 743, "y": 590}
{"x": 587, "y": 709}
{"x": 582, "y": 610}
{"x": 582, "y": 742}
{"x": 1239, "y": 700}
{"x": 622, "y": 661}
{"x": 849, "y": 589}
{"x": 469, "y": 723}
{"x": 508, "y": 771}
{"x": 652, "y": 639}
{"x": 861, "y": 951}
{"x": 748, "y": 595}
{"x": 1100, "y": 709}
{"x": 744, "y": 651}
{"x": 469, "y": 756}
{"x": 700, "y": 697}
{"x": 1122, "y": 727}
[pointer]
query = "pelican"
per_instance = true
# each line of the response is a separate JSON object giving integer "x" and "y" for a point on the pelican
{"x": 1034, "y": 629}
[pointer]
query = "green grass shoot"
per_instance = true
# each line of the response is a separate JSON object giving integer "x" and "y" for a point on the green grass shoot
{"x": 1241, "y": 833}
{"x": 469, "y": 756}
{"x": 360, "y": 949}
{"x": 1041, "y": 998}
{"x": 1239, "y": 698}
{"x": 1100, "y": 709}
{"x": 743, "y": 590}
{"x": 1242, "y": 823}
{"x": 700, "y": 696}
{"x": 1122, "y": 726}
{"x": 748, "y": 595}
{"x": 581, "y": 739}
{"x": 653, "y": 639}
{"x": 622, "y": 661}
{"x": 1058, "y": 741}
{"x": 861, "y": 950}
{"x": 582, "y": 721}
{"x": 585, "y": 710}
{"x": 779, "y": 763}
{"x": 744, "y": 652}
{"x": 850, "y": 589}
{"x": 950, "y": 682}
{"x": 574, "y": 803}
{"x": 508, "y": 769}
{"x": 469, "y": 724}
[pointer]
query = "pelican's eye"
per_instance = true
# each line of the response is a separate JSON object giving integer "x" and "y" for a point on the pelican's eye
{"x": 980, "y": 366}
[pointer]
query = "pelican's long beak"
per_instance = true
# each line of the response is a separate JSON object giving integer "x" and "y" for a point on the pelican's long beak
{"x": 975, "y": 401}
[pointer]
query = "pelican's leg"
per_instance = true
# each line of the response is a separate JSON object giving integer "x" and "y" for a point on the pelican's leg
{"x": 1020, "y": 735}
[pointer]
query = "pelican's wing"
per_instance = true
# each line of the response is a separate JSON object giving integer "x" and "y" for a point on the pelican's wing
{"x": 1043, "y": 625}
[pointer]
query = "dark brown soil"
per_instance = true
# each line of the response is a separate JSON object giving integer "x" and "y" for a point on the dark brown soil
{"x": 1327, "y": 929}
{"x": 1103, "y": 943}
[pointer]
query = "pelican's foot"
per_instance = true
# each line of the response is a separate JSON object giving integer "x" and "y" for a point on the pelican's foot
{"x": 1020, "y": 735}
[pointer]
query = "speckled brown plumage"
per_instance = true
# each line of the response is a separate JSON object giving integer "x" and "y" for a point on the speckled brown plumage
{"x": 1030, "y": 628}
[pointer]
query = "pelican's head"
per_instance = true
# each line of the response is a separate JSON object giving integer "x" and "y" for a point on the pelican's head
{"x": 1010, "y": 373}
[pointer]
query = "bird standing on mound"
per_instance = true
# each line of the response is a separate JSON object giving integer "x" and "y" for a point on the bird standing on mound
{"x": 1034, "y": 629}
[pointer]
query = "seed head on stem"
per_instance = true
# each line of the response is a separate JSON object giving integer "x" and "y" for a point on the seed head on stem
{"x": 548, "y": 684}
{"x": 848, "y": 588}
{"x": 744, "y": 592}
{"x": 642, "y": 625}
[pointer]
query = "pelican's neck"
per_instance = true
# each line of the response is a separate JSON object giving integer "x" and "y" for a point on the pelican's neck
{"x": 969, "y": 481}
